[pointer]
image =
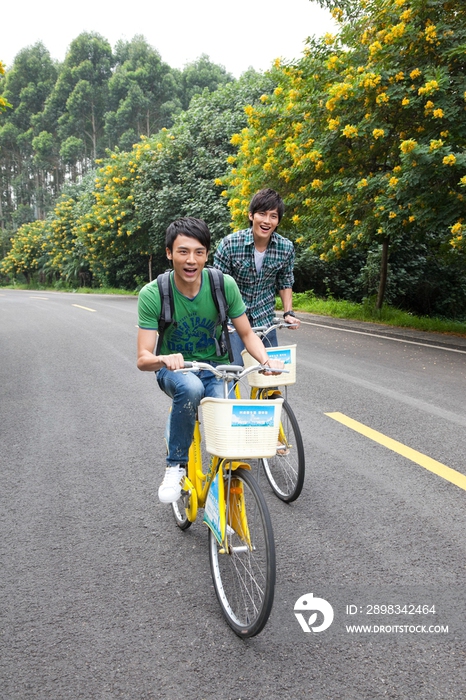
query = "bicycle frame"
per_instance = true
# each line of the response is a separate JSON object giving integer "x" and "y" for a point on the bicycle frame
{"x": 241, "y": 541}
{"x": 197, "y": 483}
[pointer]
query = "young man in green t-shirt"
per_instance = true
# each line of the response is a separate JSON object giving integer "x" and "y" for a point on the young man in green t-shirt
{"x": 191, "y": 338}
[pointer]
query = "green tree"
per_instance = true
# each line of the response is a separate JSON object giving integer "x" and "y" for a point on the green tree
{"x": 142, "y": 94}
{"x": 26, "y": 86}
{"x": 3, "y": 101}
{"x": 115, "y": 244}
{"x": 365, "y": 135}
{"x": 183, "y": 177}
{"x": 26, "y": 254}
{"x": 78, "y": 101}
{"x": 199, "y": 75}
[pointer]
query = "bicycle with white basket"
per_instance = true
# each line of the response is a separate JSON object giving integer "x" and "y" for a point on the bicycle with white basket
{"x": 284, "y": 469}
{"x": 241, "y": 541}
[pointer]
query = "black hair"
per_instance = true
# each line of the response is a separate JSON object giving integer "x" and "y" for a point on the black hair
{"x": 188, "y": 226}
{"x": 265, "y": 200}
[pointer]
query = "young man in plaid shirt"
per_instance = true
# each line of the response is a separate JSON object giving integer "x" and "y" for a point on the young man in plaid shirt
{"x": 261, "y": 261}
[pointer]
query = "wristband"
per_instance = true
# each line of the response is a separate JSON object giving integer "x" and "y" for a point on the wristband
{"x": 289, "y": 313}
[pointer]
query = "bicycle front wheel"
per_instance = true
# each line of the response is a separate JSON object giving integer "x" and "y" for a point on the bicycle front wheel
{"x": 244, "y": 571}
{"x": 181, "y": 509}
{"x": 285, "y": 470}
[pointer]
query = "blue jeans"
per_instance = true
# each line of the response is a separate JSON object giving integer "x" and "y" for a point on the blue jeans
{"x": 186, "y": 390}
{"x": 237, "y": 345}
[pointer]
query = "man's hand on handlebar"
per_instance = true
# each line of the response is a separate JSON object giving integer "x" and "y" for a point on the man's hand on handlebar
{"x": 292, "y": 322}
{"x": 175, "y": 361}
{"x": 278, "y": 364}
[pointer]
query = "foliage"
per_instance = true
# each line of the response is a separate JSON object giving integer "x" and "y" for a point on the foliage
{"x": 3, "y": 101}
{"x": 116, "y": 245}
{"x": 388, "y": 315}
{"x": 26, "y": 254}
{"x": 65, "y": 116}
{"x": 365, "y": 135}
{"x": 183, "y": 176}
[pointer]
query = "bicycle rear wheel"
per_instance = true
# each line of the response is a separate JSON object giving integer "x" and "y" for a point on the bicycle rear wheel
{"x": 244, "y": 572}
{"x": 285, "y": 470}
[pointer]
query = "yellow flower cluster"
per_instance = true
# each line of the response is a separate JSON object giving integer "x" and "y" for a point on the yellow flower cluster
{"x": 429, "y": 87}
{"x": 370, "y": 80}
{"x": 374, "y": 48}
{"x": 395, "y": 33}
{"x": 449, "y": 160}
{"x": 350, "y": 131}
{"x": 382, "y": 98}
{"x": 430, "y": 32}
{"x": 408, "y": 145}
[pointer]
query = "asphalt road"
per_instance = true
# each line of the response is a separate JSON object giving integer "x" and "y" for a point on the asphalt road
{"x": 103, "y": 598}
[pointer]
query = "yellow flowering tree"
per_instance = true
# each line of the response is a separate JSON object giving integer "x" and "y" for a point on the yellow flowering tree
{"x": 116, "y": 247}
{"x": 26, "y": 255}
{"x": 365, "y": 135}
{"x": 3, "y": 102}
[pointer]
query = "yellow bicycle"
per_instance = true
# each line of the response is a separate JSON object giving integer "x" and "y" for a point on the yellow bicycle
{"x": 241, "y": 541}
{"x": 286, "y": 468}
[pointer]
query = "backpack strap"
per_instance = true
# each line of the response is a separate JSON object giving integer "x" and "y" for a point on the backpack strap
{"x": 217, "y": 288}
{"x": 166, "y": 306}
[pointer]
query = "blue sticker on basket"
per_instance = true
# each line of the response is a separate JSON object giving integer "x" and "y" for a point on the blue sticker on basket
{"x": 283, "y": 355}
{"x": 258, "y": 416}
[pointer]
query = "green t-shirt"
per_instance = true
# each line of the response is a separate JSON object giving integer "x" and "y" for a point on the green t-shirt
{"x": 192, "y": 335}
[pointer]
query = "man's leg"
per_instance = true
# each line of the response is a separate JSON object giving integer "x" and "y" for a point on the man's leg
{"x": 237, "y": 346}
{"x": 271, "y": 340}
{"x": 186, "y": 390}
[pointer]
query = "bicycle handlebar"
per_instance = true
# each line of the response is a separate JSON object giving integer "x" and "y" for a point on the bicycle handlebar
{"x": 228, "y": 372}
{"x": 276, "y": 325}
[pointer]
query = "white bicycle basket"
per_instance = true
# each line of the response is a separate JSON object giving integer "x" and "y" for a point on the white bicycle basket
{"x": 241, "y": 429}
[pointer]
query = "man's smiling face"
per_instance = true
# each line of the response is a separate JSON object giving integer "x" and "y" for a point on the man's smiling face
{"x": 264, "y": 224}
{"x": 189, "y": 257}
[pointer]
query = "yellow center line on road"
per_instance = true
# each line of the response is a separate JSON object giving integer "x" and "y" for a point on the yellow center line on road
{"x": 427, "y": 462}
{"x": 86, "y": 308}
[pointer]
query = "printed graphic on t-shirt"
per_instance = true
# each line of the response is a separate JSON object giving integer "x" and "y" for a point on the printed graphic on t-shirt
{"x": 192, "y": 335}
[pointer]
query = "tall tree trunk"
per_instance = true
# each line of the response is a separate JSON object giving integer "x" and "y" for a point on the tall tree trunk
{"x": 383, "y": 273}
{"x": 150, "y": 267}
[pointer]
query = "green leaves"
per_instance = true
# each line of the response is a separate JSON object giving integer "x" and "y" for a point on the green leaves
{"x": 365, "y": 135}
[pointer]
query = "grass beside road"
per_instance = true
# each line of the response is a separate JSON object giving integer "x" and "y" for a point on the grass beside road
{"x": 307, "y": 301}
{"x": 388, "y": 315}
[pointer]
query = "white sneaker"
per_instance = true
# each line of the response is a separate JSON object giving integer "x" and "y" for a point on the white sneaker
{"x": 170, "y": 488}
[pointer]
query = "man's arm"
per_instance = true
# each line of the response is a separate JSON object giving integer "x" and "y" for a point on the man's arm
{"x": 286, "y": 295}
{"x": 147, "y": 361}
{"x": 253, "y": 343}
{"x": 222, "y": 258}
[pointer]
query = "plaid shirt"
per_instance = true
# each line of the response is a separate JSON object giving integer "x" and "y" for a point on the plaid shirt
{"x": 235, "y": 256}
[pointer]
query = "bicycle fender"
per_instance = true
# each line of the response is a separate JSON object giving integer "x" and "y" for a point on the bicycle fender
{"x": 229, "y": 464}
